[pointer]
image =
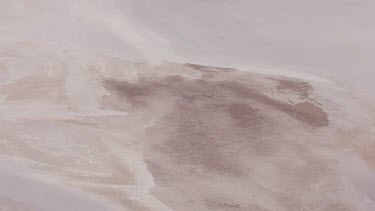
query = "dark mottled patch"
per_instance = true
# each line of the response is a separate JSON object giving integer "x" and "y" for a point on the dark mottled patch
{"x": 244, "y": 115}
{"x": 209, "y": 68}
{"x": 212, "y": 128}
{"x": 192, "y": 89}
{"x": 129, "y": 90}
{"x": 306, "y": 112}
{"x": 192, "y": 141}
{"x": 226, "y": 204}
{"x": 301, "y": 87}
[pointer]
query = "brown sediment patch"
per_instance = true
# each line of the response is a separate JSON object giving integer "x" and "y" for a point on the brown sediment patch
{"x": 244, "y": 115}
{"x": 329, "y": 204}
{"x": 220, "y": 204}
{"x": 310, "y": 113}
{"x": 194, "y": 137}
{"x": 226, "y": 204}
{"x": 194, "y": 142}
{"x": 129, "y": 90}
{"x": 214, "y": 128}
{"x": 301, "y": 87}
{"x": 132, "y": 92}
{"x": 208, "y": 68}
{"x": 192, "y": 89}
{"x": 305, "y": 112}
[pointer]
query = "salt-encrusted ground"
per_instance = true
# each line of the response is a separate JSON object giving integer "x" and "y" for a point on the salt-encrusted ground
{"x": 91, "y": 118}
{"x": 105, "y": 133}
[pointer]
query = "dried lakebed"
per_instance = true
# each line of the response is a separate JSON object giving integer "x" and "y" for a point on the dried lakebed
{"x": 189, "y": 137}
